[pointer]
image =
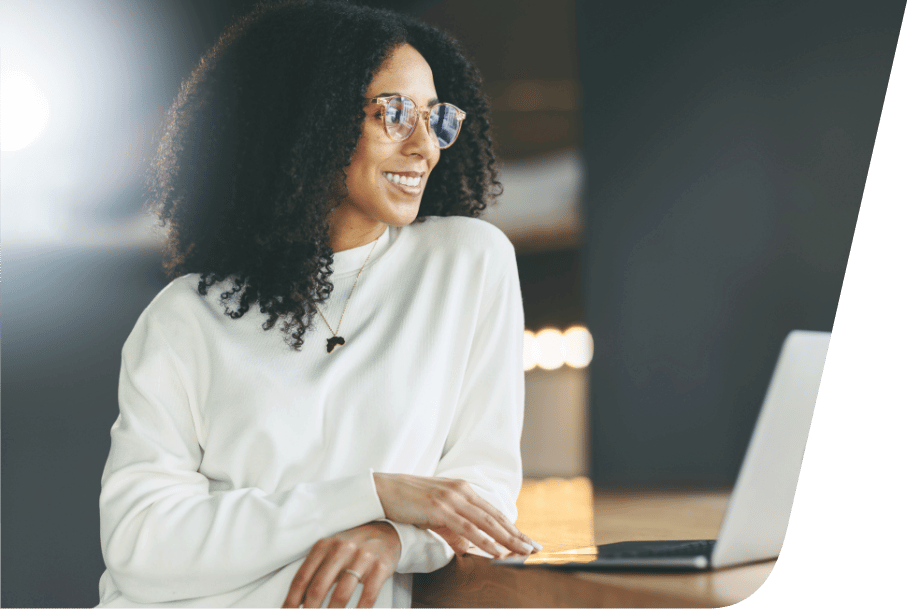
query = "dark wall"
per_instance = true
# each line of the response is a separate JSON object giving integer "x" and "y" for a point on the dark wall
{"x": 727, "y": 145}
{"x": 66, "y": 313}
{"x": 550, "y": 287}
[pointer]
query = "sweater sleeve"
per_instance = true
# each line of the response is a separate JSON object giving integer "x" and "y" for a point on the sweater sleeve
{"x": 483, "y": 444}
{"x": 164, "y": 535}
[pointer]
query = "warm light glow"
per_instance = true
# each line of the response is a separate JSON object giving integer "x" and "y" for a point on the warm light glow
{"x": 23, "y": 110}
{"x": 578, "y": 347}
{"x": 551, "y": 349}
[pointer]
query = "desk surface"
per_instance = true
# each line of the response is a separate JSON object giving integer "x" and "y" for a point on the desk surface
{"x": 565, "y": 514}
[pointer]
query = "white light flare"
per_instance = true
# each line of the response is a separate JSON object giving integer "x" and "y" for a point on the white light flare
{"x": 578, "y": 347}
{"x": 23, "y": 110}
{"x": 551, "y": 349}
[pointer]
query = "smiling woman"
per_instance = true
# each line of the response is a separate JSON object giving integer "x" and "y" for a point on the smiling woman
{"x": 320, "y": 171}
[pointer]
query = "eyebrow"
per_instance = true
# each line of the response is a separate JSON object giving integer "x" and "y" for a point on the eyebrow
{"x": 432, "y": 101}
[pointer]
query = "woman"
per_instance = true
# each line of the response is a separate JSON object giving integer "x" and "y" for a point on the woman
{"x": 328, "y": 396}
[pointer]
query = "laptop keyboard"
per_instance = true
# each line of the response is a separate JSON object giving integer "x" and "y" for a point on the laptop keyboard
{"x": 643, "y": 549}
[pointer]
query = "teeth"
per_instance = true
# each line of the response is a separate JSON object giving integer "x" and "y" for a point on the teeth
{"x": 399, "y": 179}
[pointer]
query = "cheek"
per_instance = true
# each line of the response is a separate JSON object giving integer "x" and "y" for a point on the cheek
{"x": 369, "y": 156}
{"x": 361, "y": 168}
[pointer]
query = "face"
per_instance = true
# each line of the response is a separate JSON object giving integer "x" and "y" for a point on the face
{"x": 374, "y": 201}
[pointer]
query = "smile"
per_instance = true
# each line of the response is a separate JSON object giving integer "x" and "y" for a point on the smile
{"x": 402, "y": 180}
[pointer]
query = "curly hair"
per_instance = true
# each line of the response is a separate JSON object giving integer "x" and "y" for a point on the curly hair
{"x": 260, "y": 134}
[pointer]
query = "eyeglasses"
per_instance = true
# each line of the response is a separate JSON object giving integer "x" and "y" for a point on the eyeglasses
{"x": 400, "y": 115}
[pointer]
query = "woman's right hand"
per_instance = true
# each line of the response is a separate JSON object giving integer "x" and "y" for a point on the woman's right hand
{"x": 452, "y": 509}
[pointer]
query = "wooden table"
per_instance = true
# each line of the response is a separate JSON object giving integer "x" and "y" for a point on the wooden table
{"x": 566, "y": 514}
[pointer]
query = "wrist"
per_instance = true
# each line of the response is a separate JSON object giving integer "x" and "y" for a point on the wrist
{"x": 388, "y": 532}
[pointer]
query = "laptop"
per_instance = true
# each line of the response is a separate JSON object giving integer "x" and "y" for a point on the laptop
{"x": 757, "y": 515}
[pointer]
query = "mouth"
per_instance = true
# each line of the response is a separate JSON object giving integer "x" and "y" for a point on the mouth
{"x": 410, "y": 182}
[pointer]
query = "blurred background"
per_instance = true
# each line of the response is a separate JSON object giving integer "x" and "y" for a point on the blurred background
{"x": 681, "y": 183}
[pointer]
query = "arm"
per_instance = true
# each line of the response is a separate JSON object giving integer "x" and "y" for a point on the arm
{"x": 164, "y": 536}
{"x": 483, "y": 445}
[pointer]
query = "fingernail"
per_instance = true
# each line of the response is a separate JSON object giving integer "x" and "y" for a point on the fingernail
{"x": 527, "y": 547}
{"x": 536, "y": 545}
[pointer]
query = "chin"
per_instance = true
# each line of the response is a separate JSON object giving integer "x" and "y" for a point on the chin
{"x": 402, "y": 219}
{"x": 402, "y": 222}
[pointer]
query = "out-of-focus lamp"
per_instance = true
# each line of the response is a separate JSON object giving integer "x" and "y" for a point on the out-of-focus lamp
{"x": 578, "y": 347}
{"x": 550, "y": 349}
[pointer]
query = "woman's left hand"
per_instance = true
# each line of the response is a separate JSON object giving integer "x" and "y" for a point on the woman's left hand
{"x": 371, "y": 550}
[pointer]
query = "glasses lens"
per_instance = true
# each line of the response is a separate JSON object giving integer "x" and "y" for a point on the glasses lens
{"x": 400, "y": 118}
{"x": 444, "y": 124}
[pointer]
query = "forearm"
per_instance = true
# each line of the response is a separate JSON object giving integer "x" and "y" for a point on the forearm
{"x": 169, "y": 542}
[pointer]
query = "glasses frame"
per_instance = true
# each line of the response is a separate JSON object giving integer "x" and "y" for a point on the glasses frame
{"x": 420, "y": 113}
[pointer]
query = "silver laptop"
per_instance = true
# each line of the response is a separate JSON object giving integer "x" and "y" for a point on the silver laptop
{"x": 757, "y": 516}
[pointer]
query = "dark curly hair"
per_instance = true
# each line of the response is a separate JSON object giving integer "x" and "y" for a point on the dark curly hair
{"x": 259, "y": 137}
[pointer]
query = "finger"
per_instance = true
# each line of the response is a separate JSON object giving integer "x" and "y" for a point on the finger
{"x": 304, "y": 575}
{"x": 457, "y": 543}
{"x": 363, "y": 563}
{"x": 487, "y": 517}
{"x": 373, "y": 582}
{"x": 499, "y": 517}
{"x": 498, "y": 526}
{"x": 466, "y": 529}
{"x": 346, "y": 586}
{"x": 491, "y": 530}
{"x": 328, "y": 572}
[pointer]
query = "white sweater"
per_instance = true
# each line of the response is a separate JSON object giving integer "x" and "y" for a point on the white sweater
{"x": 233, "y": 454}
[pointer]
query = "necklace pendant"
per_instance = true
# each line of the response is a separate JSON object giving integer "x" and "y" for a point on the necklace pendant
{"x": 335, "y": 341}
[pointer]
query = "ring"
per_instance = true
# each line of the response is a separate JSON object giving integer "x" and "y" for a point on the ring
{"x": 354, "y": 574}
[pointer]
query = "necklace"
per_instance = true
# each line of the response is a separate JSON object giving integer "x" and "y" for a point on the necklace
{"x": 336, "y": 340}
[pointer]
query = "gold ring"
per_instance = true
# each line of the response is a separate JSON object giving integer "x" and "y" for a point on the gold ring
{"x": 354, "y": 574}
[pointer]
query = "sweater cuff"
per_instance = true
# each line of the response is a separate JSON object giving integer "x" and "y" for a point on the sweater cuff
{"x": 421, "y": 551}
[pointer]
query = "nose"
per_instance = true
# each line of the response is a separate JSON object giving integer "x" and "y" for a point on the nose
{"x": 422, "y": 141}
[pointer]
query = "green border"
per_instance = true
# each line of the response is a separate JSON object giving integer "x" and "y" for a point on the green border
{"x": 843, "y": 546}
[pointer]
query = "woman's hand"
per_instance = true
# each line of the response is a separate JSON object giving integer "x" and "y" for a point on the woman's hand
{"x": 452, "y": 509}
{"x": 372, "y": 550}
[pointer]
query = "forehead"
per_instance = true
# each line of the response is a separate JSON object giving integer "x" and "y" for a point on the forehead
{"x": 405, "y": 71}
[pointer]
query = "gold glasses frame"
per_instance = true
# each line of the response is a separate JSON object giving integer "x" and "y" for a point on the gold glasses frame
{"x": 420, "y": 113}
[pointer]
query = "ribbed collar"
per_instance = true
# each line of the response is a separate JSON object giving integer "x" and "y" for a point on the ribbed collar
{"x": 351, "y": 260}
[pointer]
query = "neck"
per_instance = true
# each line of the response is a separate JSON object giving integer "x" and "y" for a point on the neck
{"x": 345, "y": 238}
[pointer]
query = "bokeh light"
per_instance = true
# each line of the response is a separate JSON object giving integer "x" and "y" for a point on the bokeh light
{"x": 578, "y": 347}
{"x": 550, "y": 349}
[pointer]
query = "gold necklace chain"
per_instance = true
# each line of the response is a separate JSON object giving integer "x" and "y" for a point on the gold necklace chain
{"x": 336, "y": 340}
